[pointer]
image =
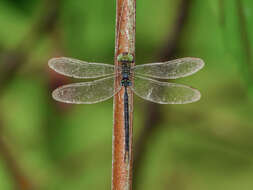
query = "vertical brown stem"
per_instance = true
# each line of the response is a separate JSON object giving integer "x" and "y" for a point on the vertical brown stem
{"x": 125, "y": 42}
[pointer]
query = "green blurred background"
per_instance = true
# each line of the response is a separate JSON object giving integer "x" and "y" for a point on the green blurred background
{"x": 48, "y": 145}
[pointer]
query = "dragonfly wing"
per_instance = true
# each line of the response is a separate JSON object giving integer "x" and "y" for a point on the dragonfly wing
{"x": 171, "y": 69}
{"x": 80, "y": 69}
{"x": 164, "y": 92}
{"x": 86, "y": 92}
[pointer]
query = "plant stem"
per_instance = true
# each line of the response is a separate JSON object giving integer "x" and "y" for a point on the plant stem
{"x": 124, "y": 42}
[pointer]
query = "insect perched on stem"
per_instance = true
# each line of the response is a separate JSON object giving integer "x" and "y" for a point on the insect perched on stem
{"x": 135, "y": 78}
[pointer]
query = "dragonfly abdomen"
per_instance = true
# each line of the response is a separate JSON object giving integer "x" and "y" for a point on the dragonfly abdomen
{"x": 126, "y": 117}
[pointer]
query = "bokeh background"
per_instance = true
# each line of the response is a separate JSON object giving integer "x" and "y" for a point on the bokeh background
{"x": 48, "y": 145}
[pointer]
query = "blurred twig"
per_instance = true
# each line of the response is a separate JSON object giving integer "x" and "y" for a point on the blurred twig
{"x": 22, "y": 182}
{"x": 222, "y": 12}
{"x": 171, "y": 46}
{"x": 153, "y": 114}
{"x": 245, "y": 37}
{"x": 11, "y": 62}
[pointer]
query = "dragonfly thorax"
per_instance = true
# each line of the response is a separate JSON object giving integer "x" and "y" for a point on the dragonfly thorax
{"x": 126, "y": 82}
{"x": 125, "y": 74}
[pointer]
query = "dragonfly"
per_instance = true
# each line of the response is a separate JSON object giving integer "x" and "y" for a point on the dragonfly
{"x": 143, "y": 80}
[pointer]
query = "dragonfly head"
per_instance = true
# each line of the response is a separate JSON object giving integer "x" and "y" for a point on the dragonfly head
{"x": 125, "y": 57}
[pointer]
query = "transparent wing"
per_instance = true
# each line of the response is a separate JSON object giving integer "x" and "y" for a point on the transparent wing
{"x": 80, "y": 69}
{"x": 171, "y": 69}
{"x": 86, "y": 92}
{"x": 164, "y": 92}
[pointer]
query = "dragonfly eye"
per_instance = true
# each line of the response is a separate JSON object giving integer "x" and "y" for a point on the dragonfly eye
{"x": 125, "y": 58}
